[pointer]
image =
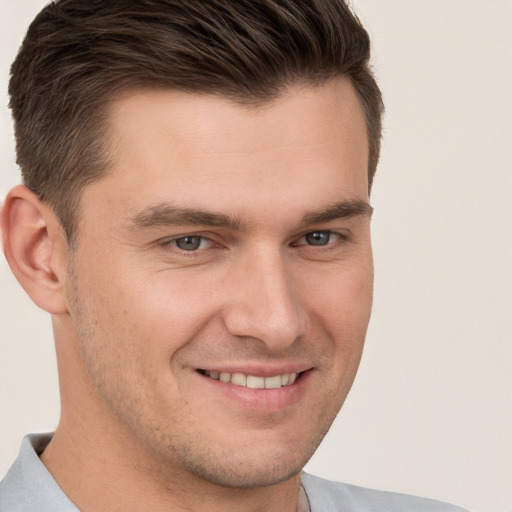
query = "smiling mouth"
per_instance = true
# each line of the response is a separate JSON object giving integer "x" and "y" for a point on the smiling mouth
{"x": 253, "y": 381}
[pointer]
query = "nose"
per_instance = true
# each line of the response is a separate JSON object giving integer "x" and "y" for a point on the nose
{"x": 265, "y": 301}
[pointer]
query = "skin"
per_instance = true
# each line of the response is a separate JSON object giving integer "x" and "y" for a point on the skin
{"x": 136, "y": 316}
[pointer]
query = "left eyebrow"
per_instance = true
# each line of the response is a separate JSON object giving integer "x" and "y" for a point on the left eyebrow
{"x": 342, "y": 210}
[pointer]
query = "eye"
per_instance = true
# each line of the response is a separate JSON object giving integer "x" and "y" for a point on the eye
{"x": 319, "y": 238}
{"x": 190, "y": 243}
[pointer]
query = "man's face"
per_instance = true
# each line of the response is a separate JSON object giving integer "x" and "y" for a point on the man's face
{"x": 226, "y": 254}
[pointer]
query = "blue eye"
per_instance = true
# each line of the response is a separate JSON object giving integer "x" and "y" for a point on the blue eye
{"x": 318, "y": 238}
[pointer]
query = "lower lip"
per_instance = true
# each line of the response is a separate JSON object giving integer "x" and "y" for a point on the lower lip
{"x": 266, "y": 400}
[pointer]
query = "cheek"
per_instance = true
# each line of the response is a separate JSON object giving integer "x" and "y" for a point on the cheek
{"x": 170, "y": 305}
{"x": 153, "y": 317}
{"x": 343, "y": 296}
{"x": 342, "y": 311}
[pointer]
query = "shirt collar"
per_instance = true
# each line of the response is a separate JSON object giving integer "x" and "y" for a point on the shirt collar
{"x": 28, "y": 485}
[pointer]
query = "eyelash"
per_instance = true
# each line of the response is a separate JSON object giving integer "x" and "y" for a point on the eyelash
{"x": 339, "y": 237}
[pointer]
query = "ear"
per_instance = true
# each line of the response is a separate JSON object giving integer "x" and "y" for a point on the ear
{"x": 35, "y": 247}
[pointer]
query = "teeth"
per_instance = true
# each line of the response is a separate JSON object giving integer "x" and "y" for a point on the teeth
{"x": 225, "y": 377}
{"x": 273, "y": 382}
{"x": 239, "y": 379}
{"x": 253, "y": 381}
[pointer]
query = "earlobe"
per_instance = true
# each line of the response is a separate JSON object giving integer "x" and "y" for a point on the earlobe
{"x": 35, "y": 248}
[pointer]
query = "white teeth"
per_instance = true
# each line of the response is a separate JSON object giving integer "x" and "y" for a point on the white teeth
{"x": 239, "y": 379}
{"x": 253, "y": 381}
{"x": 225, "y": 377}
{"x": 273, "y": 382}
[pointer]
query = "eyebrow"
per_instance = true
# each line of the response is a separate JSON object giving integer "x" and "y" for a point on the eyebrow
{"x": 167, "y": 215}
{"x": 161, "y": 215}
{"x": 342, "y": 210}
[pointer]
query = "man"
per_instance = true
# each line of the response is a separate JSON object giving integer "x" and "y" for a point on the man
{"x": 195, "y": 216}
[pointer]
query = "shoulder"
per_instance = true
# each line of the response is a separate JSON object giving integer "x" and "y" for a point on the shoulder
{"x": 328, "y": 496}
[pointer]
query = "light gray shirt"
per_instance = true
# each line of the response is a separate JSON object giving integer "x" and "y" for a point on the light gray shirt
{"x": 29, "y": 487}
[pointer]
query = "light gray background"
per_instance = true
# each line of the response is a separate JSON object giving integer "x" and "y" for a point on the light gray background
{"x": 431, "y": 410}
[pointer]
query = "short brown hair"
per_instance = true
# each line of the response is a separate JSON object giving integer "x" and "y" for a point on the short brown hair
{"x": 79, "y": 54}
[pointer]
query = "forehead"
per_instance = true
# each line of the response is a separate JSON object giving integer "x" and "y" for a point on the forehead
{"x": 300, "y": 115}
{"x": 172, "y": 145}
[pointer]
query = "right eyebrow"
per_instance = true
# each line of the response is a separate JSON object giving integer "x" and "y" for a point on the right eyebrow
{"x": 167, "y": 215}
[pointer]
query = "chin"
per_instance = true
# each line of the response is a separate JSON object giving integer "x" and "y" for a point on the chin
{"x": 253, "y": 463}
{"x": 246, "y": 475}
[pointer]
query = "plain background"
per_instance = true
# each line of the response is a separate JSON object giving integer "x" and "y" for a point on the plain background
{"x": 431, "y": 410}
